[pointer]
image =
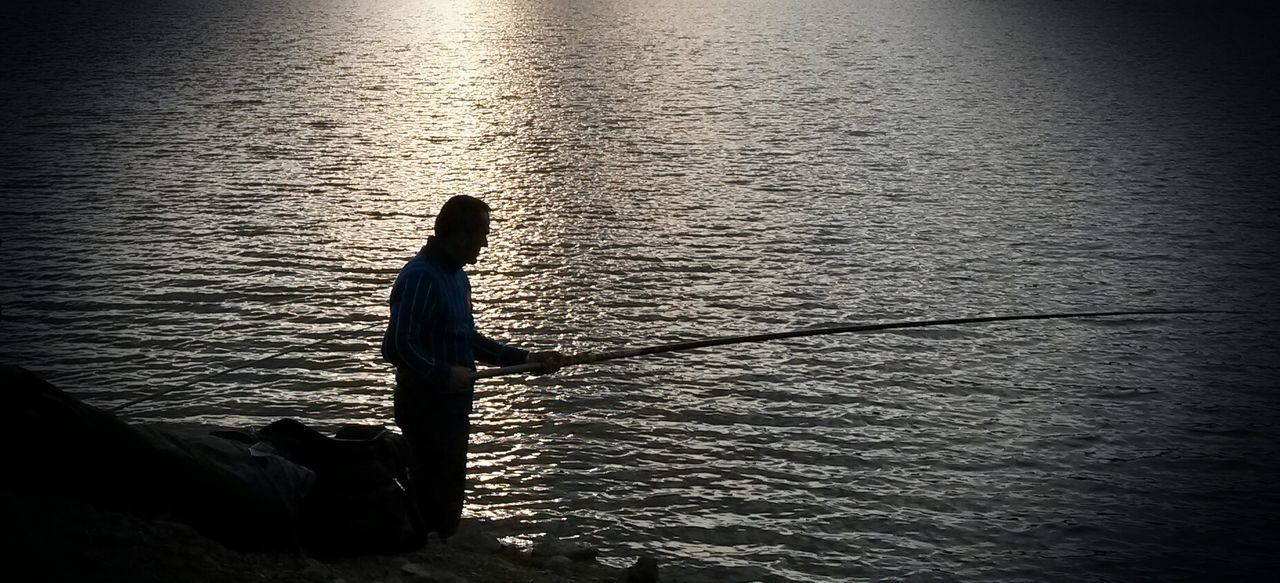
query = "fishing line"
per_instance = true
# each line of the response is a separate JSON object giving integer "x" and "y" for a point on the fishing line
{"x": 227, "y": 324}
{"x": 241, "y": 366}
{"x": 246, "y": 364}
{"x": 589, "y": 358}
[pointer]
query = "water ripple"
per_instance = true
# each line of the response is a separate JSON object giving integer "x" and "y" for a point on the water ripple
{"x": 202, "y": 185}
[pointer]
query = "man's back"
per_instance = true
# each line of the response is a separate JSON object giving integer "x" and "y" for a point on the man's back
{"x": 431, "y": 326}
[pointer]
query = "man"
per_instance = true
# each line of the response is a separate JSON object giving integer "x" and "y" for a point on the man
{"x": 432, "y": 341}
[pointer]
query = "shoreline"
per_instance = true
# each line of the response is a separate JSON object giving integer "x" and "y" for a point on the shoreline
{"x": 51, "y": 538}
{"x": 93, "y": 498}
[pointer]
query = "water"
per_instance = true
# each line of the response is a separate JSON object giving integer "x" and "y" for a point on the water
{"x": 189, "y": 186}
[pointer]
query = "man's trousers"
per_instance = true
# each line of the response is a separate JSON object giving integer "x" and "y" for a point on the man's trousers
{"x": 437, "y": 427}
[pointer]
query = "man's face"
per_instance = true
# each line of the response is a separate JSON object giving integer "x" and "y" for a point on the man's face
{"x": 471, "y": 244}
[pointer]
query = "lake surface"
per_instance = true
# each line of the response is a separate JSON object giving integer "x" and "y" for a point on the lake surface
{"x": 188, "y": 186}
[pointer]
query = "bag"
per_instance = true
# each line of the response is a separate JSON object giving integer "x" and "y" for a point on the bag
{"x": 361, "y": 500}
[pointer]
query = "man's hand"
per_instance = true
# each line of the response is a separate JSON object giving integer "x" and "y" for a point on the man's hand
{"x": 460, "y": 379}
{"x": 551, "y": 360}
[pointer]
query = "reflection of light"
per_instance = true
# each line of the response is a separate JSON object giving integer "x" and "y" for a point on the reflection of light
{"x": 402, "y": 131}
{"x": 506, "y": 448}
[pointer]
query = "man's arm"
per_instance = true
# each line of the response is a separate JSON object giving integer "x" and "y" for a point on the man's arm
{"x": 490, "y": 351}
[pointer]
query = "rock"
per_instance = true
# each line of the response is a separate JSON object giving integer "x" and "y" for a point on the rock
{"x": 559, "y": 564}
{"x": 316, "y": 570}
{"x": 177, "y": 528}
{"x": 549, "y": 546}
{"x": 420, "y": 573}
{"x": 476, "y": 540}
{"x": 644, "y": 571}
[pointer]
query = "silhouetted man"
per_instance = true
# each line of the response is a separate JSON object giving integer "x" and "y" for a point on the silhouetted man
{"x": 433, "y": 343}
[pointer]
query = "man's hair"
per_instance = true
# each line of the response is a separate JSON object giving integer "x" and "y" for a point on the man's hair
{"x": 461, "y": 214}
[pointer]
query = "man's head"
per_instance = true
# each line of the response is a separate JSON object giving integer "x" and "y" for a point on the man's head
{"x": 462, "y": 227}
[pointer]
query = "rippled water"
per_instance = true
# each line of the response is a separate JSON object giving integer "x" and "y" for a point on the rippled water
{"x": 190, "y": 186}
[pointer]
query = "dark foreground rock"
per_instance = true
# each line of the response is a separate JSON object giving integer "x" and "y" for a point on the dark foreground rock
{"x": 63, "y": 539}
{"x": 89, "y": 497}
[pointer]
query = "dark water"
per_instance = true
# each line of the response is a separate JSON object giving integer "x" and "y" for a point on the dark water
{"x": 187, "y": 186}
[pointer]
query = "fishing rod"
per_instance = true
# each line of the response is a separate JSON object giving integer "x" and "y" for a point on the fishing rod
{"x": 589, "y": 358}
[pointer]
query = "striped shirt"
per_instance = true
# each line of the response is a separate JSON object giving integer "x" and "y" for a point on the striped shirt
{"x": 431, "y": 327}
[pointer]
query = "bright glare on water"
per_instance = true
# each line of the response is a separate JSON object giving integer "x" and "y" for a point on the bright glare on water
{"x": 189, "y": 186}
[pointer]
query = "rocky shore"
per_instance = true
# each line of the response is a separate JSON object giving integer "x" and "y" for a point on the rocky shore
{"x": 87, "y": 497}
{"x": 64, "y": 539}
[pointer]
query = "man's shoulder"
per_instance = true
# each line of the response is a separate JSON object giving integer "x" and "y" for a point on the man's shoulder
{"x": 420, "y": 268}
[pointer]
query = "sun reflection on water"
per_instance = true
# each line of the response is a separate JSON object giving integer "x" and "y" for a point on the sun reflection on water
{"x": 663, "y": 172}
